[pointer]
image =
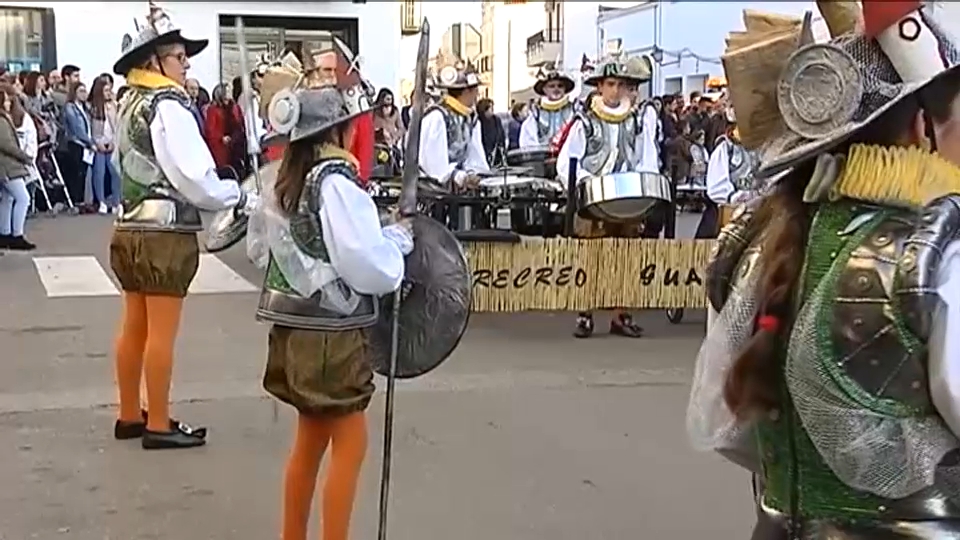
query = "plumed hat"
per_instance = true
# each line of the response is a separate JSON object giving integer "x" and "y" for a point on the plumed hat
{"x": 158, "y": 30}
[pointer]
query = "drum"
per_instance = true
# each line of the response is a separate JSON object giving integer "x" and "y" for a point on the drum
{"x": 535, "y": 214}
{"x": 622, "y": 197}
{"x": 540, "y": 160}
{"x": 227, "y": 227}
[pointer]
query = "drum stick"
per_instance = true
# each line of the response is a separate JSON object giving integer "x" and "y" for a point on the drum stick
{"x": 570, "y": 211}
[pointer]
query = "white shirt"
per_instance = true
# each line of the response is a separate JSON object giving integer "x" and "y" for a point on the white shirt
{"x": 720, "y": 188}
{"x": 576, "y": 144}
{"x": 368, "y": 258}
{"x": 434, "y": 159}
{"x": 944, "y": 344}
{"x": 529, "y": 133}
{"x": 186, "y": 161}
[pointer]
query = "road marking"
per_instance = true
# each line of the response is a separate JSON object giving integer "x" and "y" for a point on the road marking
{"x": 214, "y": 276}
{"x": 64, "y": 277}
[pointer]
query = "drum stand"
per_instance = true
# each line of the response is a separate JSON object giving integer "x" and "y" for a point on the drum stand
{"x": 674, "y": 315}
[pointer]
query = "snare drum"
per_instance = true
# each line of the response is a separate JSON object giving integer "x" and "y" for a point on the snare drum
{"x": 622, "y": 197}
{"x": 540, "y": 160}
{"x": 531, "y": 216}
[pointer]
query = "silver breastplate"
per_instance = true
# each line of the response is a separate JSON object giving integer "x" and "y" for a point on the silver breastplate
{"x": 550, "y": 122}
{"x": 603, "y": 153}
{"x": 459, "y": 130}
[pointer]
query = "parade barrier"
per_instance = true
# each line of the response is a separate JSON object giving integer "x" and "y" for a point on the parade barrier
{"x": 563, "y": 274}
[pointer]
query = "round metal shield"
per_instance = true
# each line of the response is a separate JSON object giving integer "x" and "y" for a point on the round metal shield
{"x": 436, "y": 305}
{"x": 229, "y": 226}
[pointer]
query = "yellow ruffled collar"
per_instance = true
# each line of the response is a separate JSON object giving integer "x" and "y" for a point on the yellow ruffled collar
{"x": 329, "y": 151}
{"x": 609, "y": 114}
{"x": 456, "y": 106}
{"x": 895, "y": 176}
{"x": 150, "y": 79}
{"x": 553, "y": 106}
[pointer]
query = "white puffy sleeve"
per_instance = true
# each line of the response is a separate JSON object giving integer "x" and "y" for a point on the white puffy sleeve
{"x": 944, "y": 345}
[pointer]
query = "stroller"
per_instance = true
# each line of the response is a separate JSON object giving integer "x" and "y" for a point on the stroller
{"x": 51, "y": 179}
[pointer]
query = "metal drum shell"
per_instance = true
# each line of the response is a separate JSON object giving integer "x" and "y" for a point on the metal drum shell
{"x": 540, "y": 160}
{"x": 229, "y": 226}
{"x": 621, "y": 197}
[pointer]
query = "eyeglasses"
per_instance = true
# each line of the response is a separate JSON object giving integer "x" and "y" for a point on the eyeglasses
{"x": 181, "y": 57}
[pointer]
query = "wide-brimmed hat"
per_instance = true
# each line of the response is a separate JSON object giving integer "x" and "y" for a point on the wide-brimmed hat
{"x": 156, "y": 32}
{"x": 828, "y": 92}
{"x": 456, "y": 75}
{"x": 301, "y": 112}
{"x": 551, "y": 73}
{"x": 635, "y": 70}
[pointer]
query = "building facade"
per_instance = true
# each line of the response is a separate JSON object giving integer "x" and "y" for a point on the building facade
{"x": 47, "y": 35}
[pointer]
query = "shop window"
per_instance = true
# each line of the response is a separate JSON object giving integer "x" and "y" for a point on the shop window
{"x": 274, "y": 36}
{"x": 697, "y": 83}
{"x": 672, "y": 86}
{"x": 22, "y": 39}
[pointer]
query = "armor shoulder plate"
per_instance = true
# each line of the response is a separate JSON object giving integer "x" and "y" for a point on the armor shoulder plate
{"x": 583, "y": 116}
{"x": 885, "y": 300}
{"x": 732, "y": 243}
{"x": 164, "y": 94}
{"x": 311, "y": 193}
{"x": 939, "y": 225}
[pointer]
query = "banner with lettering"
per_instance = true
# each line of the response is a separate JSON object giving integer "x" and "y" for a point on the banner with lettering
{"x": 576, "y": 274}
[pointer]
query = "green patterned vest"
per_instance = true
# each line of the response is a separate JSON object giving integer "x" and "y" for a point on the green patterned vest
{"x": 280, "y": 303}
{"x": 869, "y": 272}
{"x": 150, "y": 202}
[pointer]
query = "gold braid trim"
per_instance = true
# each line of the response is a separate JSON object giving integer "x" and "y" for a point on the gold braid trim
{"x": 896, "y": 176}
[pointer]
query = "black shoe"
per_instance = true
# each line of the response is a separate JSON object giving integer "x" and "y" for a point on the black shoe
{"x": 623, "y": 325}
{"x": 123, "y": 431}
{"x": 5, "y": 241}
{"x": 19, "y": 243}
{"x": 584, "y": 327}
{"x": 171, "y": 440}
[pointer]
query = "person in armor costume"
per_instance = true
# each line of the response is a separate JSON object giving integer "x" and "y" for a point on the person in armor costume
{"x": 327, "y": 259}
{"x": 451, "y": 148}
{"x": 829, "y": 369}
{"x": 731, "y": 177}
{"x": 551, "y": 111}
{"x": 610, "y": 135}
{"x": 168, "y": 177}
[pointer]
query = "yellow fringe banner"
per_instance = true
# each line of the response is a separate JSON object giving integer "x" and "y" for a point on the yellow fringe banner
{"x": 561, "y": 274}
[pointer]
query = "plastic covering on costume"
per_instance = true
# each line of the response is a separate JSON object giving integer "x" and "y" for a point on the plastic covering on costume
{"x": 136, "y": 166}
{"x": 268, "y": 233}
{"x": 711, "y": 425}
{"x": 879, "y": 453}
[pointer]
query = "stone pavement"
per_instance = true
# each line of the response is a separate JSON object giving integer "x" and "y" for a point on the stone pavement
{"x": 525, "y": 433}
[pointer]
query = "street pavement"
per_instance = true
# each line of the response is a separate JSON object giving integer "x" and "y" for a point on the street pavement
{"x": 525, "y": 433}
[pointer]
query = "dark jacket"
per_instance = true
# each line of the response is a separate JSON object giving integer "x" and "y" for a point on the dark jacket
{"x": 13, "y": 160}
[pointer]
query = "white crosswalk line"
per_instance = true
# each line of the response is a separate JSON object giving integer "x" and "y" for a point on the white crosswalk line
{"x": 214, "y": 276}
{"x": 64, "y": 277}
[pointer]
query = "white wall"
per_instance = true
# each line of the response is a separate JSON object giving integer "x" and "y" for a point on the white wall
{"x": 579, "y": 32}
{"x": 89, "y": 33}
{"x": 513, "y": 24}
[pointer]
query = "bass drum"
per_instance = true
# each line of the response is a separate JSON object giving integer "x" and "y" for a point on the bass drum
{"x": 435, "y": 309}
{"x": 230, "y": 226}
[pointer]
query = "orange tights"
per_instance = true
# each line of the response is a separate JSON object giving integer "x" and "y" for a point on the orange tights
{"x": 148, "y": 333}
{"x": 348, "y": 435}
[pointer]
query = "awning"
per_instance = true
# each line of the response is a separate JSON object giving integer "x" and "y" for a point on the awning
{"x": 522, "y": 96}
